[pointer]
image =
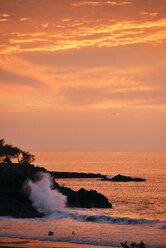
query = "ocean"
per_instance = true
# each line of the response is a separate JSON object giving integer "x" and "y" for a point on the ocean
{"x": 138, "y": 212}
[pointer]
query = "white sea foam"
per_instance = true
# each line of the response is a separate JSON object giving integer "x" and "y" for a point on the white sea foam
{"x": 43, "y": 197}
{"x": 98, "y": 218}
{"x": 115, "y": 220}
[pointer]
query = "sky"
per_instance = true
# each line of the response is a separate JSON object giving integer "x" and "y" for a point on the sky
{"x": 77, "y": 74}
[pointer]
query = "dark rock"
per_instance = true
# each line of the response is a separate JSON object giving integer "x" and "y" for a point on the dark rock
{"x": 121, "y": 178}
{"x": 14, "y": 199}
{"x": 85, "y": 199}
{"x": 57, "y": 174}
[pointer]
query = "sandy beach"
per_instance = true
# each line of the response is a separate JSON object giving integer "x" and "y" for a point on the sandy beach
{"x": 24, "y": 243}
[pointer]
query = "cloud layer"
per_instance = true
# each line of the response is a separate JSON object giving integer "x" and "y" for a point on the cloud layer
{"x": 72, "y": 55}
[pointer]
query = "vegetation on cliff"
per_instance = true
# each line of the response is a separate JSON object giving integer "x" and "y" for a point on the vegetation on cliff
{"x": 9, "y": 152}
{"x": 15, "y": 194}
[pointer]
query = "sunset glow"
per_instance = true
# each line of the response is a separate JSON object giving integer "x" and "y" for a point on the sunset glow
{"x": 80, "y": 74}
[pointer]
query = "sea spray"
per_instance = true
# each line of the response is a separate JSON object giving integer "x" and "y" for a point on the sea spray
{"x": 43, "y": 197}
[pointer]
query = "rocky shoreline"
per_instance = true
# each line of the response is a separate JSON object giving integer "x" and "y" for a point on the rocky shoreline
{"x": 121, "y": 178}
{"x": 57, "y": 174}
{"x": 14, "y": 196}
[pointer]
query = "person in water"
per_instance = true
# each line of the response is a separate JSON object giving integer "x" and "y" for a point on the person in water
{"x": 50, "y": 233}
{"x": 133, "y": 245}
{"x": 142, "y": 245}
{"x": 124, "y": 245}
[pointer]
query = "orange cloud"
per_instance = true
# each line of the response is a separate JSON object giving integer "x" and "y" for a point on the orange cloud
{"x": 77, "y": 4}
{"x": 149, "y": 13}
{"x": 99, "y": 3}
{"x": 14, "y": 41}
{"x": 44, "y": 25}
{"x": 5, "y": 15}
{"x": 73, "y": 85}
{"x": 68, "y": 67}
{"x": 109, "y": 35}
{"x": 3, "y": 20}
{"x": 24, "y": 19}
{"x": 66, "y": 19}
{"x": 100, "y": 87}
{"x": 11, "y": 74}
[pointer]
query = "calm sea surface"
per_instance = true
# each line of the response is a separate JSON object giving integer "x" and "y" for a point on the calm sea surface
{"x": 139, "y": 208}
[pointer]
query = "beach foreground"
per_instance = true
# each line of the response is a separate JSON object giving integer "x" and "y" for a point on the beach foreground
{"x": 23, "y": 243}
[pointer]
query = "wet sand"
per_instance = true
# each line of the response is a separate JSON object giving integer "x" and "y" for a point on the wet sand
{"x": 30, "y": 243}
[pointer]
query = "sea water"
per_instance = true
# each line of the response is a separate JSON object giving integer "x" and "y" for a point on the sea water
{"x": 138, "y": 212}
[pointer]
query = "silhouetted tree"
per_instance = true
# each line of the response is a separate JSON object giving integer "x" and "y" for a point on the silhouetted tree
{"x": 1, "y": 148}
{"x": 2, "y": 142}
{"x": 8, "y": 152}
{"x": 27, "y": 158}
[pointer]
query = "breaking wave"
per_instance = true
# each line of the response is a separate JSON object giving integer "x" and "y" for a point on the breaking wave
{"x": 43, "y": 197}
{"x": 100, "y": 218}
